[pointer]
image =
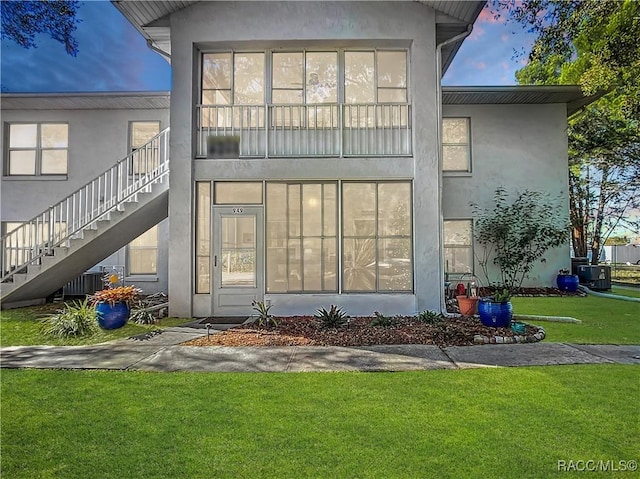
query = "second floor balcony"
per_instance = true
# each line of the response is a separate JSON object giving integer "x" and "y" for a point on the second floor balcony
{"x": 311, "y": 130}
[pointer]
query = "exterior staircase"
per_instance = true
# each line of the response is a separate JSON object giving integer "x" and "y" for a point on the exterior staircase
{"x": 62, "y": 242}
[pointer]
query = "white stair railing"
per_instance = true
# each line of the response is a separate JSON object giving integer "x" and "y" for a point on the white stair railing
{"x": 82, "y": 209}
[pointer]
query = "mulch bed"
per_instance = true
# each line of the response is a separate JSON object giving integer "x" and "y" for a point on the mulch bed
{"x": 306, "y": 330}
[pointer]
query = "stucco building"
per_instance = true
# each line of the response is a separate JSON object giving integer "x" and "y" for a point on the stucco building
{"x": 313, "y": 158}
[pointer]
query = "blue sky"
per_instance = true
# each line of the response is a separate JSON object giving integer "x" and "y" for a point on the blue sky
{"x": 113, "y": 56}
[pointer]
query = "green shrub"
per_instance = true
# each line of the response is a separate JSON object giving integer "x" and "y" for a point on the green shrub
{"x": 382, "y": 320}
{"x": 262, "y": 317}
{"x": 334, "y": 318}
{"x": 429, "y": 317}
{"x": 77, "y": 319}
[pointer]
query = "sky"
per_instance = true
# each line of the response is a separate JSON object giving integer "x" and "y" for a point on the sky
{"x": 113, "y": 56}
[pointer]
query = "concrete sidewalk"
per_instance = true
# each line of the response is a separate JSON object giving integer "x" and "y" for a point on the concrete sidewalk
{"x": 163, "y": 353}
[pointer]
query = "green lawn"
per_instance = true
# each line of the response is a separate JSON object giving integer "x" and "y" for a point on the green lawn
{"x": 20, "y": 327}
{"x": 634, "y": 293}
{"x": 502, "y": 423}
{"x": 604, "y": 321}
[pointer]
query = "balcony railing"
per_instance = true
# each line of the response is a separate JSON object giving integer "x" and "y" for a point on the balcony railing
{"x": 323, "y": 130}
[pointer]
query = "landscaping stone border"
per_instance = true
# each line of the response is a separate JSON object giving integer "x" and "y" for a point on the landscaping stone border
{"x": 539, "y": 335}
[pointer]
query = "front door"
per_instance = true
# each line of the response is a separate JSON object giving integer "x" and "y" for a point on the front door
{"x": 238, "y": 261}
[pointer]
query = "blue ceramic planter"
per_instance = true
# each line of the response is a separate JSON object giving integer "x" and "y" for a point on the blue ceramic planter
{"x": 497, "y": 315}
{"x": 112, "y": 317}
{"x": 568, "y": 282}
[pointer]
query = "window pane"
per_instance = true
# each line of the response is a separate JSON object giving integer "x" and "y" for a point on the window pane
{"x": 276, "y": 237}
{"x": 359, "y": 214}
{"x": 143, "y": 131}
{"x": 216, "y": 71}
{"x": 455, "y": 158}
{"x": 394, "y": 267}
{"x": 313, "y": 264}
{"x": 312, "y": 210}
{"x": 216, "y": 97}
{"x": 322, "y": 68}
{"x": 458, "y": 260}
{"x": 238, "y": 262}
{"x": 228, "y": 193}
{"x": 22, "y": 162}
{"x": 295, "y": 273}
{"x": 23, "y": 136}
{"x": 392, "y": 69}
{"x": 147, "y": 239}
{"x": 329, "y": 208}
{"x": 359, "y": 77}
{"x": 394, "y": 209}
{"x": 54, "y": 162}
{"x": 287, "y": 70}
{"x": 388, "y": 95}
{"x": 287, "y": 97}
{"x": 359, "y": 264}
{"x": 455, "y": 130}
{"x": 293, "y": 206}
{"x": 54, "y": 135}
{"x": 203, "y": 236}
{"x": 143, "y": 261}
{"x": 248, "y": 78}
{"x": 330, "y": 258}
{"x": 457, "y": 232}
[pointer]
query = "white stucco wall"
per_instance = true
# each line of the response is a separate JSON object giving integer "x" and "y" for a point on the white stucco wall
{"x": 221, "y": 25}
{"x": 97, "y": 140}
{"x": 518, "y": 147}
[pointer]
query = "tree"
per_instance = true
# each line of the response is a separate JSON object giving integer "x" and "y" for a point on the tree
{"x": 593, "y": 43}
{"x": 516, "y": 234}
{"x": 22, "y": 20}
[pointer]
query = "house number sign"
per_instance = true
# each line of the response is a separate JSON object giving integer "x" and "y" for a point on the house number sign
{"x": 237, "y": 210}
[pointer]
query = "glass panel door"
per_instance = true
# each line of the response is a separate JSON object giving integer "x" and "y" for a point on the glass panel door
{"x": 238, "y": 259}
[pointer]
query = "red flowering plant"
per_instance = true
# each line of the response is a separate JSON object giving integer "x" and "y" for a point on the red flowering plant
{"x": 125, "y": 294}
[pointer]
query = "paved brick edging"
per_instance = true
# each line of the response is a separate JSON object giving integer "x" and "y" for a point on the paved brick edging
{"x": 539, "y": 335}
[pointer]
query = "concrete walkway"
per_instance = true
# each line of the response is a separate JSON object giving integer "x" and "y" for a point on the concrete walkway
{"x": 162, "y": 353}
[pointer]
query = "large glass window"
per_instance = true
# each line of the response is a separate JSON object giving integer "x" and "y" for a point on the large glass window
{"x": 233, "y": 78}
{"x": 37, "y": 149}
{"x": 203, "y": 237}
{"x": 238, "y": 193}
{"x": 301, "y": 237}
{"x": 377, "y": 249}
{"x": 456, "y": 152}
{"x": 375, "y": 76}
{"x": 458, "y": 246}
{"x": 142, "y": 257}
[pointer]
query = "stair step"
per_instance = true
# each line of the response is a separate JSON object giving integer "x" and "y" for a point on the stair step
{"x": 20, "y": 278}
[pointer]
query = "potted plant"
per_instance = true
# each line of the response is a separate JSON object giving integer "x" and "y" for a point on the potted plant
{"x": 467, "y": 302}
{"x": 567, "y": 281}
{"x": 496, "y": 310}
{"x": 113, "y": 305}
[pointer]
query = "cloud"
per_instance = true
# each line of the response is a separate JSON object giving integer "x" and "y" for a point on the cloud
{"x": 476, "y": 33}
{"x": 487, "y": 17}
{"x": 504, "y": 37}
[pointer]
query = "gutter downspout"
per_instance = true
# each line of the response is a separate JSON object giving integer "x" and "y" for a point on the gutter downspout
{"x": 158, "y": 51}
{"x": 466, "y": 33}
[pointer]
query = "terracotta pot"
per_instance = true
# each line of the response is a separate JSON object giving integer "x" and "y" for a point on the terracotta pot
{"x": 468, "y": 306}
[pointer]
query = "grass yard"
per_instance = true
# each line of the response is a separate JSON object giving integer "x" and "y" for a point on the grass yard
{"x": 633, "y": 292}
{"x": 20, "y": 327}
{"x": 490, "y": 423}
{"x": 604, "y": 321}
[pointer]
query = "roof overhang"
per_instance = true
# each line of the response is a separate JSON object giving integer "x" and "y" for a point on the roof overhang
{"x": 86, "y": 101}
{"x": 571, "y": 95}
{"x": 151, "y": 19}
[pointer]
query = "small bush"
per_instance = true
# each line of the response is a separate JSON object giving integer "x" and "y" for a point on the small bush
{"x": 77, "y": 319}
{"x": 262, "y": 317}
{"x": 383, "y": 321}
{"x": 334, "y": 318}
{"x": 429, "y": 317}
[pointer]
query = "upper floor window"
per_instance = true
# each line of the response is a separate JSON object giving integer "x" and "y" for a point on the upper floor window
{"x": 305, "y": 77}
{"x": 37, "y": 149}
{"x": 233, "y": 78}
{"x": 375, "y": 76}
{"x": 456, "y": 150}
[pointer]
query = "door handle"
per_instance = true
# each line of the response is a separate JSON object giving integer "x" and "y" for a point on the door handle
{"x": 215, "y": 261}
